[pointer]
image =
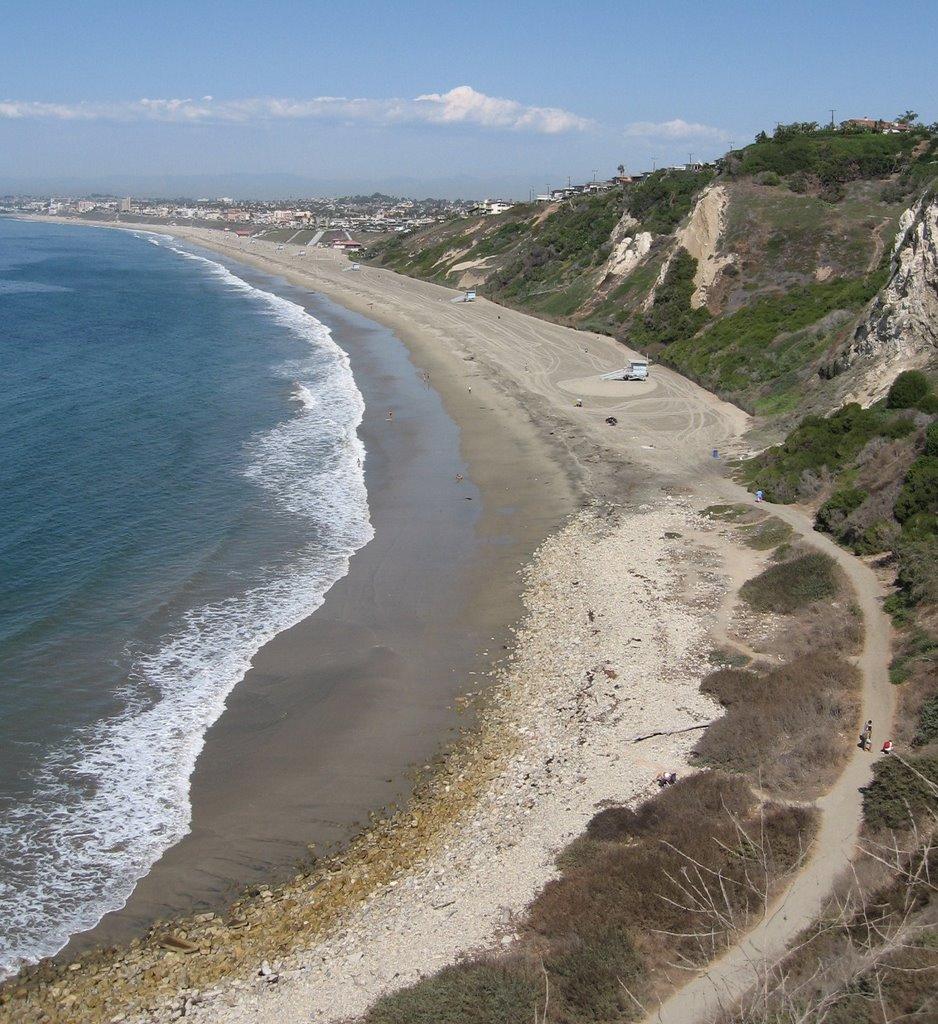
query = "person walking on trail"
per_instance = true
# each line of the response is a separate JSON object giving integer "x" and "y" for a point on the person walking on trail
{"x": 887, "y": 747}
{"x": 866, "y": 736}
{"x": 759, "y": 496}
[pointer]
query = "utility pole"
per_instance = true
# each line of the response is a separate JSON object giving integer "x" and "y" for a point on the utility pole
{"x": 595, "y": 172}
{"x": 654, "y": 164}
{"x": 832, "y": 117}
{"x": 690, "y": 158}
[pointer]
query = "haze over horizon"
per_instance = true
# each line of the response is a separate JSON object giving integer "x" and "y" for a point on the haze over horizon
{"x": 424, "y": 99}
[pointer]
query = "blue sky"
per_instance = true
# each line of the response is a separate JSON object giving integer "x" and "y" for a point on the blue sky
{"x": 431, "y": 97}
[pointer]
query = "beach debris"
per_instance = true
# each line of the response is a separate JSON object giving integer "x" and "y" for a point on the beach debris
{"x": 611, "y": 420}
{"x": 178, "y": 944}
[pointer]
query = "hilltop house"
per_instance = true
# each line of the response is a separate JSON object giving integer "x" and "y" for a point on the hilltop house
{"x": 875, "y": 125}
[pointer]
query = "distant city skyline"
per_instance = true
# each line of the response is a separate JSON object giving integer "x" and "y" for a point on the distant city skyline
{"x": 429, "y": 99}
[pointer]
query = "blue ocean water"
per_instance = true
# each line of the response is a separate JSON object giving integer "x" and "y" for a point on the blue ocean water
{"x": 180, "y": 480}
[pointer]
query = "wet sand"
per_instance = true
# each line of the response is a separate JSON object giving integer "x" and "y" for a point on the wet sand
{"x": 335, "y": 712}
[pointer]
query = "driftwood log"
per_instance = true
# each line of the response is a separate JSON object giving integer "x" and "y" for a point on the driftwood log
{"x": 672, "y": 732}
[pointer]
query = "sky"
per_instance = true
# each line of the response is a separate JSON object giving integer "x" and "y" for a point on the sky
{"x": 286, "y": 98}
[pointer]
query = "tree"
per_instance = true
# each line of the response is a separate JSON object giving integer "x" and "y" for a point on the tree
{"x": 621, "y": 169}
{"x": 908, "y": 117}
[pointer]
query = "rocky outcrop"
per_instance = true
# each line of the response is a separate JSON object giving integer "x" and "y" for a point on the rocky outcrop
{"x": 900, "y": 331}
{"x": 629, "y": 247}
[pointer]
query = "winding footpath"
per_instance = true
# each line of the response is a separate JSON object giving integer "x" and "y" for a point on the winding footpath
{"x": 670, "y": 426}
{"x": 729, "y": 978}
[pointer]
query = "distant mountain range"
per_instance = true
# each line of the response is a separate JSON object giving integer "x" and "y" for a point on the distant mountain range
{"x": 273, "y": 186}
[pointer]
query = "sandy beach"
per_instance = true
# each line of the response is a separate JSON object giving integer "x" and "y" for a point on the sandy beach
{"x": 336, "y": 712}
{"x": 611, "y": 639}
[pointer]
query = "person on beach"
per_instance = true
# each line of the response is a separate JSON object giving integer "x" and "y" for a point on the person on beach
{"x": 390, "y": 414}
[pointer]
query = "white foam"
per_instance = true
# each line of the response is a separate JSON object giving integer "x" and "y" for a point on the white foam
{"x": 104, "y": 813}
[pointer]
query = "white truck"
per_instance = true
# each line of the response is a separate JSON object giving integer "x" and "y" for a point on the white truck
{"x": 636, "y": 370}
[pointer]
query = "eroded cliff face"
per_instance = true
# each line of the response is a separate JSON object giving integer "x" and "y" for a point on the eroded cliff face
{"x": 900, "y": 332}
{"x": 701, "y": 237}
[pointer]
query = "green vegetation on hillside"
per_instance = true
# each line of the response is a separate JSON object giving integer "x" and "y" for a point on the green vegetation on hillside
{"x": 821, "y": 448}
{"x": 550, "y": 272}
{"x": 663, "y": 199}
{"x": 670, "y": 318}
{"x": 805, "y": 153}
{"x": 763, "y": 342}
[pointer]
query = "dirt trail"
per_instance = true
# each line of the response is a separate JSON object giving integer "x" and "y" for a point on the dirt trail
{"x": 670, "y": 425}
{"x": 725, "y": 980}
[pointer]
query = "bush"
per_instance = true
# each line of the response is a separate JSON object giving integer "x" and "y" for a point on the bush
{"x": 917, "y": 575}
{"x": 831, "y": 515}
{"x": 787, "y": 587}
{"x": 786, "y": 728}
{"x": 820, "y": 446}
{"x": 897, "y": 794}
{"x": 919, "y": 492}
{"x": 768, "y": 178}
{"x": 478, "y": 993}
{"x": 927, "y": 723}
{"x": 908, "y": 389}
{"x": 931, "y": 439}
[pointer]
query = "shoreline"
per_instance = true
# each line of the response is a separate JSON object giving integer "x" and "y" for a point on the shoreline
{"x": 605, "y": 474}
{"x": 335, "y": 712}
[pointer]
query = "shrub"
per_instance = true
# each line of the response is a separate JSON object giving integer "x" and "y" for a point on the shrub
{"x": 899, "y": 793}
{"x": 919, "y": 492}
{"x": 769, "y": 534}
{"x": 768, "y": 178}
{"x": 831, "y": 515}
{"x": 927, "y": 723}
{"x": 477, "y": 993}
{"x": 931, "y": 439}
{"x": 917, "y": 575}
{"x": 798, "y": 182}
{"x": 907, "y": 390}
{"x": 786, "y": 728}
{"x": 792, "y": 585}
{"x": 819, "y": 446}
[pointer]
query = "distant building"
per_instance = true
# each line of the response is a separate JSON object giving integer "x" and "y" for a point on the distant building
{"x": 491, "y": 207}
{"x": 871, "y": 124}
{"x": 126, "y": 205}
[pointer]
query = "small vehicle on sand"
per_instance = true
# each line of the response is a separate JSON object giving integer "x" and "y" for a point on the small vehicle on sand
{"x": 636, "y": 370}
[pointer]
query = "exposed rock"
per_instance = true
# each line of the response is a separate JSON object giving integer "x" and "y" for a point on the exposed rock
{"x": 900, "y": 332}
{"x": 629, "y": 247}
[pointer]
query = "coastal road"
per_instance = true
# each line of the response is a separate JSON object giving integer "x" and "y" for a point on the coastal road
{"x": 669, "y": 425}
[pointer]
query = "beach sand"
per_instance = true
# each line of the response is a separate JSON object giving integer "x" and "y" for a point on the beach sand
{"x": 336, "y": 711}
{"x": 550, "y": 748}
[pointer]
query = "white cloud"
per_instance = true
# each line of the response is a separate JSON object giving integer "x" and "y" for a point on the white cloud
{"x": 676, "y": 129}
{"x": 462, "y": 105}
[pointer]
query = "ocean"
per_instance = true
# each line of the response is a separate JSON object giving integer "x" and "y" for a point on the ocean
{"x": 181, "y": 479}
